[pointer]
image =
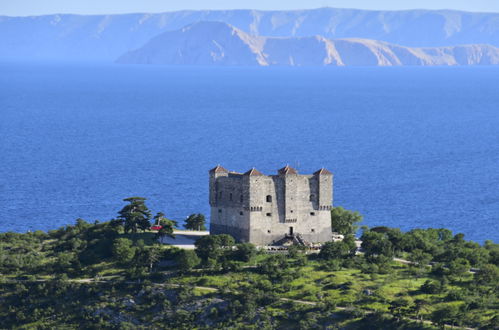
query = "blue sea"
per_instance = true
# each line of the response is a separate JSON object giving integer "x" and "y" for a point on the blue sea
{"x": 409, "y": 147}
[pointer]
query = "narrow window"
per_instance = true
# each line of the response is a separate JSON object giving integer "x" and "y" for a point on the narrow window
{"x": 241, "y": 213}
{"x": 291, "y": 211}
{"x": 230, "y": 197}
{"x": 220, "y": 195}
{"x": 241, "y": 198}
{"x": 313, "y": 230}
{"x": 268, "y": 231}
{"x": 269, "y": 214}
{"x": 269, "y": 199}
{"x": 291, "y": 230}
{"x": 219, "y": 210}
{"x": 312, "y": 213}
{"x": 312, "y": 198}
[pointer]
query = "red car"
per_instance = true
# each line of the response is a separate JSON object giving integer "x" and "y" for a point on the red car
{"x": 156, "y": 227}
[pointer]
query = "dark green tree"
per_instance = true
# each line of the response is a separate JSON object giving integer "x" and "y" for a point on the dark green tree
{"x": 493, "y": 252}
{"x": 344, "y": 221}
{"x": 279, "y": 268}
{"x": 207, "y": 247}
{"x": 338, "y": 250}
{"x": 66, "y": 262}
{"x": 160, "y": 219}
{"x": 419, "y": 306}
{"x": 376, "y": 244}
{"x": 420, "y": 260}
{"x": 245, "y": 252}
{"x": 167, "y": 225}
{"x": 81, "y": 225}
{"x": 394, "y": 235}
{"x": 400, "y": 307}
{"x": 487, "y": 275}
{"x": 151, "y": 256}
{"x": 212, "y": 248}
{"x": 225, "y": 240}
{"x": 144, "y": 259}
{"x": 431, "y": 287}
{"x": 459, "y": 267}
{"x": 195, "y": 222}
{"x": 444, "y": 315}
{"x": 123, "y": 251}
{"x": 296, "y": 251}
{"x": 135, "y": 214}
{"x": 187, "y": 259}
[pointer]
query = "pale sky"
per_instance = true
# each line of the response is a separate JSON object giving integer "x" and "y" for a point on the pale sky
{"x": 41, "y": 7}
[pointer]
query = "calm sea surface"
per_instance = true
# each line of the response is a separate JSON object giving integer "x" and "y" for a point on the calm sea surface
{"x": 409, "y": 147}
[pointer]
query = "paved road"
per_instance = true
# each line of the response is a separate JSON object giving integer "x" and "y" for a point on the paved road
{"x": 184, "y": 239}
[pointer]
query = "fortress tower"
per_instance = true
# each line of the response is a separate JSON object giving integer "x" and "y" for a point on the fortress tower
{"x": 261, "y": 209}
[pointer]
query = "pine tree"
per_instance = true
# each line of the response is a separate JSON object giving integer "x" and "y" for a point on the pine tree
{"x": 167, "y": 225}
{"x": 135, "y": 215}
{"x": 195, "y": 222}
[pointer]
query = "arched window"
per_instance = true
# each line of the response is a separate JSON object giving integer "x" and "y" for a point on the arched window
{"x": 312, "y": 197}
{"x": 269, "y": 199}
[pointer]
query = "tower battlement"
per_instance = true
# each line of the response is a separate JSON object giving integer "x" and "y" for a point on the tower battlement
{"x": 263, "y": 209}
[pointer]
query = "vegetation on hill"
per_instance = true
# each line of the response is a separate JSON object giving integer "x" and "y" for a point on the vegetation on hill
{"x": 105, "y": 275}
{"x": 195, "y": 222}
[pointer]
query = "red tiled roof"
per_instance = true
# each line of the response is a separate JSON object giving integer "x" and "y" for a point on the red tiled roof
{"x": 323, "y": 171}
{"x": 287, "y": 170}
{"x": 253, "y": 171}
{"x": 219, "y": 169}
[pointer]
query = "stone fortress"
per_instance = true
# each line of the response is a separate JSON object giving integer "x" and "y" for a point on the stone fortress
{"x": 265, "y": 210}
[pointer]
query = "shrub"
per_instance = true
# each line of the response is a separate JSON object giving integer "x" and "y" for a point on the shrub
{"x": 431, "y": 287}
{"x": 123, "y": 251}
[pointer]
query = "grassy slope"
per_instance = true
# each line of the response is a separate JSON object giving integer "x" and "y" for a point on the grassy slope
{"x": 345, "y": 287}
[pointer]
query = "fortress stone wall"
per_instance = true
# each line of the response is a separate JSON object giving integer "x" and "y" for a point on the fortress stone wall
{"x": 261, "y": 209}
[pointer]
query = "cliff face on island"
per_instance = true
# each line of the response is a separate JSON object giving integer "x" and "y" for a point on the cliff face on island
{"x": 217, "y": 43}
{"x": 106, "y": 37}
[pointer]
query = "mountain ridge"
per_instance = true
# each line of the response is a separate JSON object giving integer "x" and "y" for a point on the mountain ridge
{"x": 218, "y": 43}
{"x": 105, "y": 37}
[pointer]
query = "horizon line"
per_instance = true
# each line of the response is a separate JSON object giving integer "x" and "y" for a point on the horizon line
{"x": 250, "y": 9}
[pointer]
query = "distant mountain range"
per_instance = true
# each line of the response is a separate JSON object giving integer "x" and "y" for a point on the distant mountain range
{"x": 217, "y": 43}
{"x": 107, "y": 37}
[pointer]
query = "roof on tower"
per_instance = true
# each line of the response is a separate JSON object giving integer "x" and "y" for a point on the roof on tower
{"x": 253, "y": 171}
{"x": 287, "y": 170}
{"x": 219, "y": 169}
{"x": 323, "y": 171}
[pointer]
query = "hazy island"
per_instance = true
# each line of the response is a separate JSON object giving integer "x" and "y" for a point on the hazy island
{"x": 310, "y": 37}
{"x": 218, "y": 43}
{"x": 116, "y": 275}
